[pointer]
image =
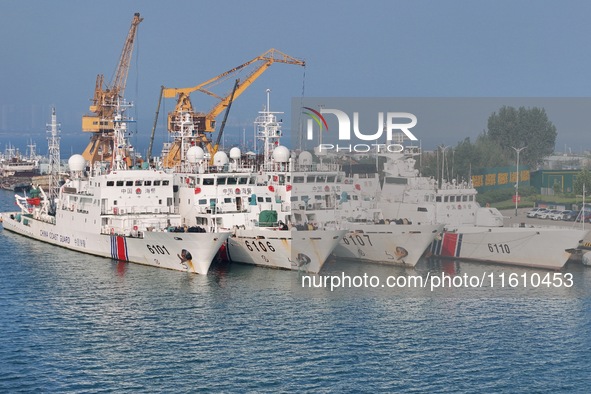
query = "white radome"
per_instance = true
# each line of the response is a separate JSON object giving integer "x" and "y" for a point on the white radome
{"x": 281, "y": 154}
{"x": 194, "y": 154}
{"x": 235, "y": 153}
{"x": 77, "y": 163}
{"x": 305, "y": 159}
{"x": 220, "y": 159}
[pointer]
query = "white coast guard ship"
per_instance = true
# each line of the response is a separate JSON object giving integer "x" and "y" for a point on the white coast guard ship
{"x": 118, "y": 213}
{"x": 471, "y": 231}
{"x": 228, "y": 196}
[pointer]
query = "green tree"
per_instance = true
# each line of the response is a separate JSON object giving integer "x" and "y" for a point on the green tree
{"x": 512, "y": 127}
{"x": 489, "y": 152}
{"x": 582, "y": 178}
{"x": 464, "y": 159}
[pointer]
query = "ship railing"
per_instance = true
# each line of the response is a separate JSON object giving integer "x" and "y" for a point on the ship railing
{"x": 145, "y": 210}
{"x": 317, "y": 167}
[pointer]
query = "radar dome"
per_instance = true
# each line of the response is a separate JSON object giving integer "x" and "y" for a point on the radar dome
{"x": 194, "y": 154}
{"x": 305, "y": 159}
{"x": 77, "y": 163}
{"x": 220, "y": 159}
{"x": 281, "y": 154}
{"x": 235, "y": 153}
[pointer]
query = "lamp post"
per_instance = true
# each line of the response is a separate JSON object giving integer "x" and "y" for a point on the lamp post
{"x": 517, "y": 150}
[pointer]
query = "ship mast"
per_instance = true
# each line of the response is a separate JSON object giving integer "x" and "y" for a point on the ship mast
{"x": 32, "y": 151}
{"x": 54, "y": 158}
{"x": 268, "y": 130}
{"x": 121, "y": 148}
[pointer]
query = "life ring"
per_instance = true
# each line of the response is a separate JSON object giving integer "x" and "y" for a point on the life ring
{"x": 115, "y": 211}
{"x": 138, "y": 191}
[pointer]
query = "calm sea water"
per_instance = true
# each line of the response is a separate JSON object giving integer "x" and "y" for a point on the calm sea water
{"x": 76, "y": 323}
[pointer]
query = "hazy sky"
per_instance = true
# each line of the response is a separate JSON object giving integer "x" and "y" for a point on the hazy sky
{"x": 53, "y": 50}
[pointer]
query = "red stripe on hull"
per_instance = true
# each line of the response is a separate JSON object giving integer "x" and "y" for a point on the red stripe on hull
{"x": 450, "y": 242}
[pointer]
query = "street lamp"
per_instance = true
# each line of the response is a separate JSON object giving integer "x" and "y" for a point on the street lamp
{"x": 517, "y": 150}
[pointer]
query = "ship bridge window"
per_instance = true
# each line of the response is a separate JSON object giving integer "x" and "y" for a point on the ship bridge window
{"x": 110, "y": 183}
{"x": 445, "y": 198}
{"x": 208, "y": 181}
{"x": 232, "y": 181}
{"x": 294, "y": 198}
{"x": 330, "y": 179}
{"x": 260, "y": 199}
{"x": 221, "y": 181}
{"x": 321, "y": 178}
{"x": 396, "y": 181}
{"x": 422, "y": 209}
{"x": 471, "y": 198}
{"x": 242, "y": 181}
{"x": 438, "y": 199}
{"x": 156, "y": 183}
{"x": 227, "y": 200}
{"x": 203, "y": 201}
{"x": 268, "y": 199}
{"x": 138, "y": 183}
{"x": 147, "y": 183}
{"x": 128, "y": 183}
{"x": 464, "y": 198}
{"x": 311, "y": 178}
{"x": 119, "y": 183}
{"x": 165, "y": 183}
{"x": 298, "y": 179}
{"x": 452, "y": 198}
{"x": 318, "y": 197}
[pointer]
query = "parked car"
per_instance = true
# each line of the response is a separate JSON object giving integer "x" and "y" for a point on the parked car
{"x": 560, "y": 215}
{"x": 541, "y": 212}
{"x": 570, "y": 216}
{"x": 583, "y": 216}
{"x": 549, "y": 214}
{"x": 532, "y": 212}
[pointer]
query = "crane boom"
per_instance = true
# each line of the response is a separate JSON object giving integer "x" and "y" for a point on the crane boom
{"x": 271, "y": 56}
{"x": 119, "y": 81}
{"x": 221, "y": 132}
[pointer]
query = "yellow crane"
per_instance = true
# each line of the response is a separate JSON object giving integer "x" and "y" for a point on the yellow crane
{"x": 205, "y": 122}
{"x": 100, "y": 121}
